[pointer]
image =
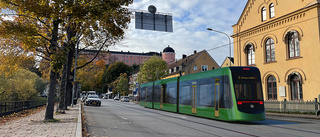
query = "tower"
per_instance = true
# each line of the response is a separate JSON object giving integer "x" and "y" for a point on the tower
{"x": 168, "y": 55}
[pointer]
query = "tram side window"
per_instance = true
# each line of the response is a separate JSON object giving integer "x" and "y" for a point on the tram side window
{"x": 205, "y": 96}
{"x": 171, "y": 95}
{"x": 185, "y": 95}
{"x": 143, "y": 94}
{"x": 227, "y": 102}
{"x": 157, "y": 93}
{"x": 149, "y": 94}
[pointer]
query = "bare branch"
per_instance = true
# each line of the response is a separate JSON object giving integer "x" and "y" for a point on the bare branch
{"x": 93, "y": 57}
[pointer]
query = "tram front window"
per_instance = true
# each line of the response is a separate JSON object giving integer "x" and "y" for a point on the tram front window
{"x": 248, "y": 90}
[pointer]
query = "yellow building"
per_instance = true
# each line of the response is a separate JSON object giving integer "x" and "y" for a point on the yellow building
{"x": 281, "y": 38}
{"x": 197, "y": 62}
{"x": 227, "y": 62}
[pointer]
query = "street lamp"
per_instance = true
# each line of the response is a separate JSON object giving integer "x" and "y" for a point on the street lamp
{"x": 229, "y": 41}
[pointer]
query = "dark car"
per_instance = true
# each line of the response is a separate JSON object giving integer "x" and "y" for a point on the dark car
{"x": 93, "y": 100}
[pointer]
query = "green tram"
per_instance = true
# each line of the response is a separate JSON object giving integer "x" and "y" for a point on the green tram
{"x": 228, "y": 94}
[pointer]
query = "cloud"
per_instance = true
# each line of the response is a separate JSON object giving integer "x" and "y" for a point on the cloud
{"x": 190, "y": 20}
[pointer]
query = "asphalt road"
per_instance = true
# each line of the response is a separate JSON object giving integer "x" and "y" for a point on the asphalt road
{"x": 126, "y": 119}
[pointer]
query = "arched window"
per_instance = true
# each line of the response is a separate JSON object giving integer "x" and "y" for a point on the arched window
{"x": 272, "y": 88}
{"x": 296, "y": 87}
{"x": 271, "y": 10}
{"x": 293, "y": 44}
{"x": 270, "y": 51}
{"x": 264, "y": 14}
{"x": 250, "y": 54}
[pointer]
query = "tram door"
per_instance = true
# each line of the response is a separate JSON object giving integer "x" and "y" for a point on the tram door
{"x": 194, "y": 99}
{"x": 146, "y": 99}
{"x": 216, "y": 97}
{"x": 162, "y": 96}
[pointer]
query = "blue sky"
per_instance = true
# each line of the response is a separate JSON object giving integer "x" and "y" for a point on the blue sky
{"x": 191, "y": 18}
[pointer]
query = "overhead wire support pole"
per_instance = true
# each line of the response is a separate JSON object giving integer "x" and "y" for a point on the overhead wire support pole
{"x": 229, "y": 42}
{"x": 74, "y": 75}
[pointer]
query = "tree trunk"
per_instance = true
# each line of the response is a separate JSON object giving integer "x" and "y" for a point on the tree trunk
{"x": 71, "y": 34}
{"x": 53, "y": 74}
{"x": 62, "y": 104}
{"x": 51, "y": 95}
{"x": 68, "y": 85}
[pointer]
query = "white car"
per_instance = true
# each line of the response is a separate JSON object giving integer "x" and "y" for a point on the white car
{"x": 93, "y": 100}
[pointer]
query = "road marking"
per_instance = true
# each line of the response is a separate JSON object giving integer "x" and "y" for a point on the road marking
{"x": 183, "y": 117}
{"x": 123, "y": 118}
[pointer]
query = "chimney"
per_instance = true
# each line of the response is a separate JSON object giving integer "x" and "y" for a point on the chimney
{"x": 184, "y": 56}
{"x": 195, "y": 51}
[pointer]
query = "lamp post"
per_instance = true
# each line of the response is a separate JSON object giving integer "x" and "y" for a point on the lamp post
{"x": 229, "y": 42}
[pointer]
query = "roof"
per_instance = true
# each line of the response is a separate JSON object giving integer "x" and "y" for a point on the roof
{"x": 168, "y": 49}
{"x": 121, "y": 52}
{"x": 243, "y": 12}
{"x": 231, "y": 59}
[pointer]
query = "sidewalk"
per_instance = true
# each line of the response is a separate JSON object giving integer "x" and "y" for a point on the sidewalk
{"x": 293, "y": 115}
{"x": 32, "y": 125}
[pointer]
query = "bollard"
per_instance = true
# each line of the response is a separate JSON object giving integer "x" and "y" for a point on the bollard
{"x": 284, "y": 105}
{"x": 316, "y": 104}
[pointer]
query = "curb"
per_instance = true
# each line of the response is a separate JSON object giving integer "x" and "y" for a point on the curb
{"x": 79, "y": 122}
{"x": 294, "y": 116}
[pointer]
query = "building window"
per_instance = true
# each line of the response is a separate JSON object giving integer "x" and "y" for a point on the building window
{"x": 204, "y": 68}
{"x": 271, "y": 8}
{"x": 270, "y": 52}
{"x": 174, "y": 69}
{"x": 194, "y": 68}
{"x": 296, "y": 87}
{"x": 264, "y": 14}
{"x": 204, "y": 58}
{"x": 272, "y": 88}
{"x": 180, "y": 68}
{"x": 293, "y": 44}
{"x": 250, "y": 54}
{"x": 169, "y": 71}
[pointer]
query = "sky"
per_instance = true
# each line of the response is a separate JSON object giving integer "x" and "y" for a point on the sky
{"x": 191, "y": 18}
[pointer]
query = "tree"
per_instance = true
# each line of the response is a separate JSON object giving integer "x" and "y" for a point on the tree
{"x": 21, "y": 85}
{"x": 53, "y": 28}
{"x": 114, "y": 71}
{"x": 123, "y": 84}
{"x": 90, "y": 75}
{"x": 152, "y": 70}
{"x": 13, "y": 57}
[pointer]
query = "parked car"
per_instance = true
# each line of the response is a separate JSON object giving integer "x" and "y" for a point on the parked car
{"x": 124, "y": 99}
{"x": 93, "y": 100}
{"x": 116, "y": 98}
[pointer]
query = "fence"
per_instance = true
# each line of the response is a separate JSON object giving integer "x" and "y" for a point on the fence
{"x": 7, "y": 108}
{"x": 292, "y": 106}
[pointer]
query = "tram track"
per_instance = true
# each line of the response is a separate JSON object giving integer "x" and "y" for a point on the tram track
{"x": 135, "y": 109}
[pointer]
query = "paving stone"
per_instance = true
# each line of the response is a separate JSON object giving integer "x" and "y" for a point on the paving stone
{"x": 32, "y": 125}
